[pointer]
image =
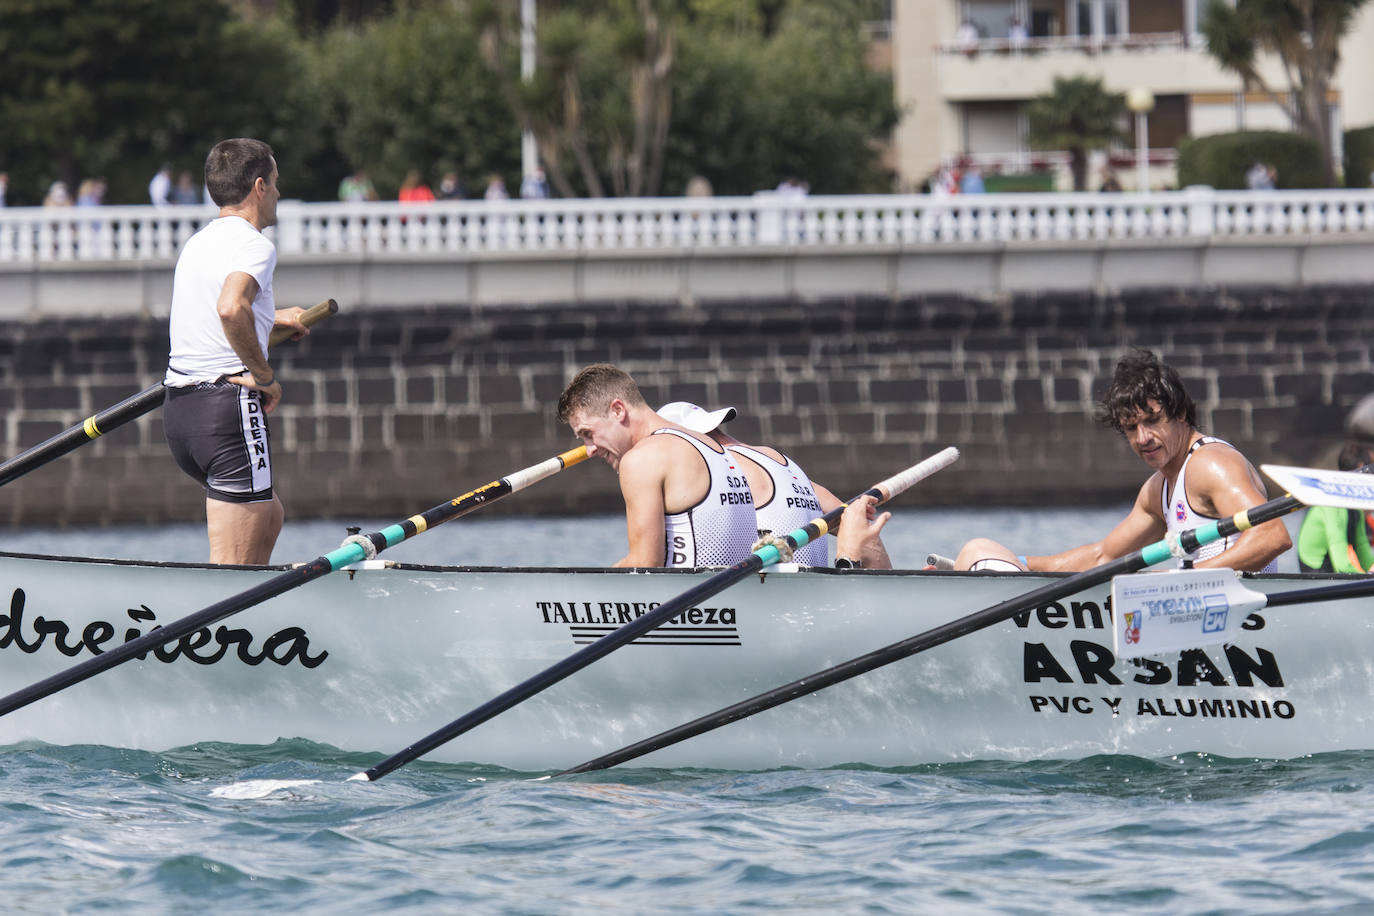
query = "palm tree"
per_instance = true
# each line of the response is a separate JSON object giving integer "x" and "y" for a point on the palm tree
{"x": 1078, "y": 115}
{"x": 1306, "y": 36}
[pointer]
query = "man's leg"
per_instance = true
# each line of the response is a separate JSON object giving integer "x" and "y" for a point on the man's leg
{"x": 243, "y": 533}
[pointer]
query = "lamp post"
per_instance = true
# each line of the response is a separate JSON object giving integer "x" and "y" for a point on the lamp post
{"x": 1142, "y": 102}
{"x": 529, "y": 154}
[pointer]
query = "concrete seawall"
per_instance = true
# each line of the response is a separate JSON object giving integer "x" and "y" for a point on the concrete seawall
{"x": 390, "y": 411}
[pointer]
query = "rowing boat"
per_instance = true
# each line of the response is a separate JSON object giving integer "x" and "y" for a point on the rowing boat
{"x": 382, "y": 652}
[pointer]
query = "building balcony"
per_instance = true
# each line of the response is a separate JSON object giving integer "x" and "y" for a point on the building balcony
{"x": 1168, "y": 63}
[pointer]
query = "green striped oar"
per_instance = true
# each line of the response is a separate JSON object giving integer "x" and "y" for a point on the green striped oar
{"x": 131, "y": 408}
{"x": 760, "y": 558}
{"x": 354, "y": 549}
{"x": 1173, "y": 546}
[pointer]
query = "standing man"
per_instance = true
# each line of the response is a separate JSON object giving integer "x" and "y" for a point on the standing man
{"x": 686, "y": 501}
{"x": 785, "y": 497}
{"x": 1197, "y": 479}
{"x": 220, "y": 386}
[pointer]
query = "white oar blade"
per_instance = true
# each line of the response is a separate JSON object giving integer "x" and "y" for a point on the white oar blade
{"x": 1178, "y": 609}
{"x": 1318, "y": 487}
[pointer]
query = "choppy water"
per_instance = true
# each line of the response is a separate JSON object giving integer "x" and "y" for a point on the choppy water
{"x": 229, "y": 829}
{"x": 248, "y": 829}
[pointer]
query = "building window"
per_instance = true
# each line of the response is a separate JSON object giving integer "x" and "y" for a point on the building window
{"x": 1099, "y": 18}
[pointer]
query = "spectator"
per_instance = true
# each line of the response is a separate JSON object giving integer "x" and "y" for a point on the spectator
{"x": 1016, "y": 34}
{"x": 534, "y": 186}
{"x": 357, "y": 187}
{"x": 1110, "y": 183}
{"x": 160, "y": 188}
{"x": 496, "y": 189}
{"x": 58, "y": 195}
{"x": 186, "y": 192}
{"x": 699, "y": 186}
{"x": 972, "y": 182}
{"x": 4, "y": 186}
{"x": 91, "y": 192}
{"x": 968, "y": 37}
{"x": 413, "y": 190}
{"x": 1261, "y": 177}
{"x": 451, "y": 187}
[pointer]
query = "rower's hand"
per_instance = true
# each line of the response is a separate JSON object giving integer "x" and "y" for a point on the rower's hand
{"x": 270, "y": 394}
{"x": 290, "y": 318}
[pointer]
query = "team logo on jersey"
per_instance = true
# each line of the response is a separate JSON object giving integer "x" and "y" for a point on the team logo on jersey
{"x": 1180, "y": 513}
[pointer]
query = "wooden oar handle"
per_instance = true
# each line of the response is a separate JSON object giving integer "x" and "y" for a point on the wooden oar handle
{"x": 309, "y": 317}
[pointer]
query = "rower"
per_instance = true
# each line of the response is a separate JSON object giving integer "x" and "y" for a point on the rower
{"x": 785, "y": 497}
{"x": 1196, "y": 479}
{"x": 686, "y": 500}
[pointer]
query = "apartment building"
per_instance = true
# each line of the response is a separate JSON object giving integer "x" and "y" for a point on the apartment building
{"x": 963, "y": 71}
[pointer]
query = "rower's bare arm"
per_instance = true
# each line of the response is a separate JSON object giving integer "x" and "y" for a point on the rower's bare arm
{"x": 641, "y": 484}
{"x": 1139, "y": 528}
{"x": 861, "y": 527}
{"x": 1224, "y": 484}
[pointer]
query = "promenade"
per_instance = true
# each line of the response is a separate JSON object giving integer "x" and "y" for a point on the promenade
{"x": 859, "y": 334}
{"x": 118, "y": 260}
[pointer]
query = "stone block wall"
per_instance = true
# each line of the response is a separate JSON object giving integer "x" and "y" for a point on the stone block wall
{"x": 388, "y": 412}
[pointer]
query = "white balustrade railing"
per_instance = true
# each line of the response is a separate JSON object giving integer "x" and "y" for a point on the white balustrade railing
{"x": 383, "y": 230}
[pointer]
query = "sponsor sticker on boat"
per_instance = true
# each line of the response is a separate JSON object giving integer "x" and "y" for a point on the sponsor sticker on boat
{"x": 1178, "y": 609}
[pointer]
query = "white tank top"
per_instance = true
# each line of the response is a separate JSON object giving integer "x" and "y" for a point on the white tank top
{"x": 719, "y": 530}
{"x": 794, "y": 503}
{"x": 1179, "y": 514}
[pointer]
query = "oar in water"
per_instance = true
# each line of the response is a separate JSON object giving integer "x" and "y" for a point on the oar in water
{"x": 1352, "y": 491}
{"x": 354, "y": 549}
{"x": 760, "y": 558}
{"x": 130, "y": 408}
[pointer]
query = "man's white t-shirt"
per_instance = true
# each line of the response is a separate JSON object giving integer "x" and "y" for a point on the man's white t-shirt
{"x": 200, "y": 351}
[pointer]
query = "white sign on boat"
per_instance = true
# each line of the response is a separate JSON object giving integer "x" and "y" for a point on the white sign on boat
{"x": 1160, "y": 612}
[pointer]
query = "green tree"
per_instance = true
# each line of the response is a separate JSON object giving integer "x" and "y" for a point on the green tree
{"x": 1078, "y": 115}
{"x": 114, "y": 88}
{"x": 634, "y": 97}
{"x": 1306, "y": 37}
{"x": 408, "y": 91}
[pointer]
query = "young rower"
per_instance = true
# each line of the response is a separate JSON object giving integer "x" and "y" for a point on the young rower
{"x": 1196, "y": 479}
{"x": 785, "y": 497}
{"x": 686, "y": 500}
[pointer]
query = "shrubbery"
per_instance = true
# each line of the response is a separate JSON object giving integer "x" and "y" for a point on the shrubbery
{"x": 1359, "y": 157}
{"x": 1221, "y": 160}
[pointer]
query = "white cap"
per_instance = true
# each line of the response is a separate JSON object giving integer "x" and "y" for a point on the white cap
{"x": 697, "y": 419}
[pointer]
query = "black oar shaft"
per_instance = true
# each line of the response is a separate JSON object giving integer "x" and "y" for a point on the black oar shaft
{"x": 131, "y": 408}
{"x": 1052, "y": 591}
{"x": 1356, "y": 588}
{"x": 352, "y": 551}
{"x": 128, "y": 409}
{"x": 641, "y": 625}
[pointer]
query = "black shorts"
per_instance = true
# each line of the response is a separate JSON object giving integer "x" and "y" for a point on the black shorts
{"x": 217, "y": 432}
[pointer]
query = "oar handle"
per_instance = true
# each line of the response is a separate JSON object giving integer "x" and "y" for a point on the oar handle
{"x": 898, "y": 484}
{"x": 310, "y": 317}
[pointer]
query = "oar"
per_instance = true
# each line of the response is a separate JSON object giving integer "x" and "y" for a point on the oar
{"x": 760, "y": 558}
{"x": 131, "y": 408}
{"x": 355, "y": 548}
{"x": 1356, "y": 493}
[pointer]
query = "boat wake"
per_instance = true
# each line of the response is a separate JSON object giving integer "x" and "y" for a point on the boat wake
{"x": 259, "y": 788}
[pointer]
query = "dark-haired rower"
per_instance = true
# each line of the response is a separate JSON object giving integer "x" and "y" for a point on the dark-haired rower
{"x": 1197, "y": 479}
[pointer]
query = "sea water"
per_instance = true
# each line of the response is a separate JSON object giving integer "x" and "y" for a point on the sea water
{"x": 248, "y": 829}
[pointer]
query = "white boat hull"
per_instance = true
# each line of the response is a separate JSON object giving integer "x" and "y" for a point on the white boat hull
{"x": 374, "y": 659}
